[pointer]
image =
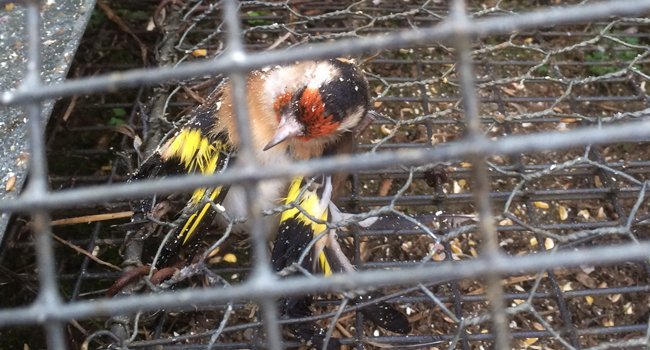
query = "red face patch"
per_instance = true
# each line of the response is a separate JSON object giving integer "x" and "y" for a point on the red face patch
{"x": 311, "y": 112}
{"x": 281, "y": 102}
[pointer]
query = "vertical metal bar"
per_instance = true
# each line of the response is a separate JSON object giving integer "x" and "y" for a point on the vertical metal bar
{"x": 480, "y": 176}
{"x": 262, "y": 275}
{"x": 49, "y": 299}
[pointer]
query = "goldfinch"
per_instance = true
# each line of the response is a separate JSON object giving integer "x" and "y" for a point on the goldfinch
{"x": 305, "y": 241}
{"x": 297, "y": 112}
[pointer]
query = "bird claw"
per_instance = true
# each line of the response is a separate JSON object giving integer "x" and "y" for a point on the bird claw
{"x": 136, "y": 274}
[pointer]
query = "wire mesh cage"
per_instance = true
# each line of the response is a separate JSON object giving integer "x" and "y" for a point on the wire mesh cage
{"x": 506, "y": 169}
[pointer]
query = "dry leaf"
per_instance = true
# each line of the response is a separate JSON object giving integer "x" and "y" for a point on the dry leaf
{"x": 448, "y": 320}
{"x": 509, "y": 92}
{"x": 586, "y": 280}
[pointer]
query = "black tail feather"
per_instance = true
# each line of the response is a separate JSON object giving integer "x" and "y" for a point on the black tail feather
{"x": 309, "y": 333}
{"x": 383, "y": 314}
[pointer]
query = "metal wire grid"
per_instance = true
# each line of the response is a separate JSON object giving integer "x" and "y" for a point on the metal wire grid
{"x": 526, "y": 186}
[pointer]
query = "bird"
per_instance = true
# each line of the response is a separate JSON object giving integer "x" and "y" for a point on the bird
{"x": 297, "y": 112}
{"x": 305, "y": 240}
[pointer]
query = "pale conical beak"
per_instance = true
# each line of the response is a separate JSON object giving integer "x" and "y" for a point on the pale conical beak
{"x": 288, "y": 128}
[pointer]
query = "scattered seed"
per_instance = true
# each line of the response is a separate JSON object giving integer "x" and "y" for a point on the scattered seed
{"x": 473, "y": 251}
{"x": 455, "y": 248}
{"x": 505, "y": 222}
{"x": 538, "y": 326}
{"x": 230, "y": 258}
{"x": 598, "y": 182}
{"x": 385, "y": 130}
{"x": 439, "y": 256}
{"x": 200, "y": 53}
{"x": 549, "y": 243}
{"x": 457, "y": 188}
{"x": 10, "y": 185}
{"x": 529, "y": 341}
{"x": 541, "y": 205}
{"x": 614, "y": 298}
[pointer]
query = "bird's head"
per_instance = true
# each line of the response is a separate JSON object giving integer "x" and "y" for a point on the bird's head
{"x": 316, "y": 100}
